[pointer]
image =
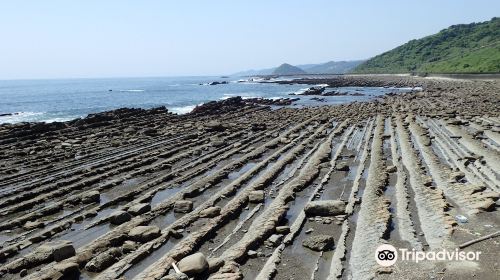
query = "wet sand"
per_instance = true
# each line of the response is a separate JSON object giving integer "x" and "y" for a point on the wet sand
{"x": 405, "y": 165}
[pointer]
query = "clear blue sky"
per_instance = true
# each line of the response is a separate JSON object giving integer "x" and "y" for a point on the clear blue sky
{"x": 113, "y": 38}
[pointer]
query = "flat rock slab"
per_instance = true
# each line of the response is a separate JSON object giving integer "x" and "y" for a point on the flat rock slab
{"x": 144, "y": 233}
{"x": 119, "y": 217}
{"x": 210, "y": 212}
{"x": 29, "y": 225}
{"x": 320, "y": 242}
{"x": 139, "y": 209}
{"x": 58, "y": 250}
{"x": 325, "y": 208}
{"x": 103, "y": 260}
{"x": 183, "y": 206}
{"x": 91, "y": 197}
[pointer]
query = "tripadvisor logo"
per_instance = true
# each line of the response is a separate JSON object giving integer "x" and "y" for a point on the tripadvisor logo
{"x": 387, "y": 255}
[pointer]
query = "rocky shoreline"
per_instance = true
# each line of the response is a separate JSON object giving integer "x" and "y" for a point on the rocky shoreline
{"x": 234, "y": 189}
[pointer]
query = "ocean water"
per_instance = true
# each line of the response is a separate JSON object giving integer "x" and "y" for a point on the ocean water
{"x": 62, "y": 100}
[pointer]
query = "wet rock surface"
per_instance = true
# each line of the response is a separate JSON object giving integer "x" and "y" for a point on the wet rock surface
{"x": 144, "y": 233}
{"x": 319, "y": 242}
{"x": 119, "y": 217}
{"x": 136, "y": 190}
{"x": 139, "y": 209}
{"x": 210, "y": 212}
{"x": 103, "y": 260}
{"x": 183, "y": 206}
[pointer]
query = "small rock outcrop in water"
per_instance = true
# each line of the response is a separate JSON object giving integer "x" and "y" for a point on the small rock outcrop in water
{"x": 316, "y": 90}
{"x": 275, "y": 102}
{"x": 218, "y": 107}
{"x": 217, "y": 83}
{"x": 8, "y": 114}
{"x": 238, "y": 103}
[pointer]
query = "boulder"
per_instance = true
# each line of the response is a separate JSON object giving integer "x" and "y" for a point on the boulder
{"x": 119, "y": 217}
{"x": 256, "y": 196}
{"x": 60, "y": 250}
{"x": 320, "y": 242}
{"x": 252, "y": 254}
{"x": 325, "y": 208}
{"x": 103, "y": 260}
{"x": 91, "y": 197}
{"x": 144, "y": 233}
{"x": 342, "y": 167}
{"x": 183, "y": 206}
{"x": 193, "y": 264}
{"x": 274, "y": 240}
{"x": 210, "y": 212}
{"x": 139, "y": 209}
{"x": 129, "y": 246}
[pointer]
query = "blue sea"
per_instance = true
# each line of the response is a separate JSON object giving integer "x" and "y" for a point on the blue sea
{"x": 66, "y": 99}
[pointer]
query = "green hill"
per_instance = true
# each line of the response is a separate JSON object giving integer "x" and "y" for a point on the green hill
{"x": 287, "y": 69}
{"x": 331, "y": 67}
{"x": 463, "y": 48}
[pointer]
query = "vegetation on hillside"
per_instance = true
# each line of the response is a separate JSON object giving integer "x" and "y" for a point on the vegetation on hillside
{"x": 463, "y": 48}
{"x": 331, "y": 67}
{"x": 287, "y": 69}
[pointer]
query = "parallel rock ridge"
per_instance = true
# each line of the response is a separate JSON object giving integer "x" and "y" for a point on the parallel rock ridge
{"x": 235, "y": 189}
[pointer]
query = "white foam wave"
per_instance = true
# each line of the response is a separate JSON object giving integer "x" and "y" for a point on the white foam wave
{"x": 249, "y": 96}
{"x": 182, "y": 109}
{"x": 131, "y": 90}
{"x": 21, "y": 117}
{"x": 301, "y": 91}
{"x": 59, "y": 119}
